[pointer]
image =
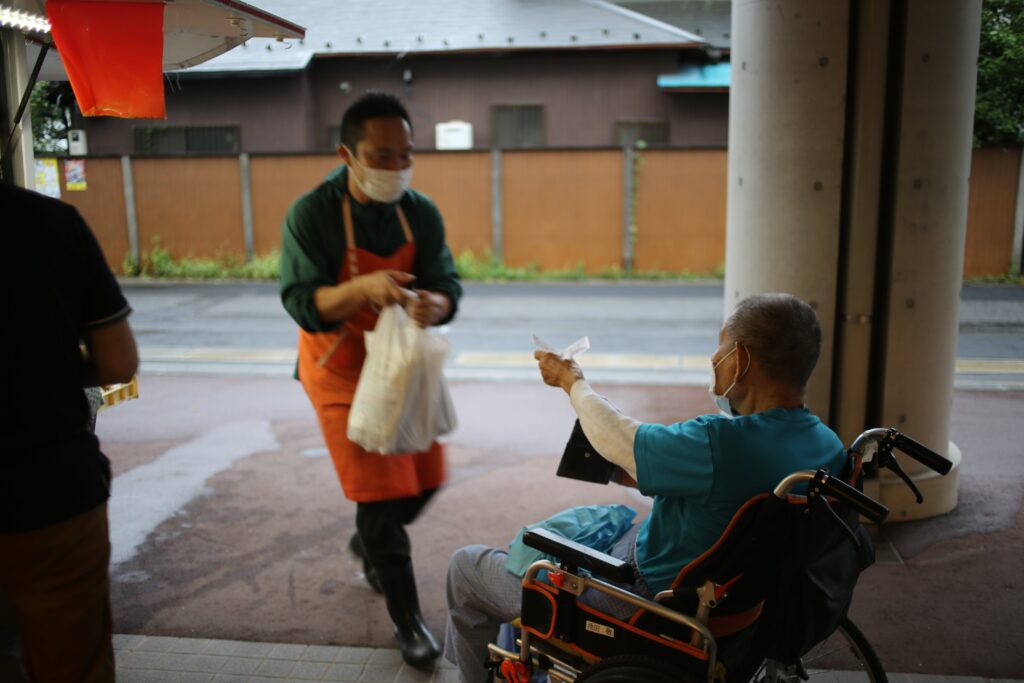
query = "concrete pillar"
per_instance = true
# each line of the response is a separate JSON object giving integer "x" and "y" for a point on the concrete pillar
{"x": 928, "y": 228}
{"x": 16, "y": 75}
{"x": 853, "y": 196}
{"x": 786, "y": 118}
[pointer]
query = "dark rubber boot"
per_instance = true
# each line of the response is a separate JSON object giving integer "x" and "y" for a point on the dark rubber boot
{"x": 355, "y": 544}
{"x": 415, "y": 641}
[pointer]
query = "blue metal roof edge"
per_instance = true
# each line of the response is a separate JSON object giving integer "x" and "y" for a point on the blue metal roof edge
{"x": 698, "y": 76}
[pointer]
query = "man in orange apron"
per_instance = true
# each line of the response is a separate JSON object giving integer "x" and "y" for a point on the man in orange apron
{"x": 360, "y": 241}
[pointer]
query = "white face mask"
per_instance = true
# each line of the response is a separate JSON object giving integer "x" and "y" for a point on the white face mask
{"x": 380, "y": 185}
{"x": 722, "y": 401}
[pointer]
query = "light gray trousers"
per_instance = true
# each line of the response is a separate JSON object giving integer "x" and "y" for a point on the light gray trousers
{"x": 482, "y": 595}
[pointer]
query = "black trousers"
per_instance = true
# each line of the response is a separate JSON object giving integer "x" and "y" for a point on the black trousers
{"x": 381, "y": 526}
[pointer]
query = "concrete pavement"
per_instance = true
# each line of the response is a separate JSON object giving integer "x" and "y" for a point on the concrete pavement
{"x": 157, "y": 659}
{"x": 229, "y": 530}
{"x": 256, "y": 552}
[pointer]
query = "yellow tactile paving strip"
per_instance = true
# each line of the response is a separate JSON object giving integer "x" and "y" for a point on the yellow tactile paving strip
{"x": 518, "y": 359}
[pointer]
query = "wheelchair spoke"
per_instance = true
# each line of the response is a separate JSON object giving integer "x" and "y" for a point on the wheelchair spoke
{"x": 844, "y": 657}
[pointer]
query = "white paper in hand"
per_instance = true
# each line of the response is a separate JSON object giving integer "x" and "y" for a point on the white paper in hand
{"x": 577, "y": 347}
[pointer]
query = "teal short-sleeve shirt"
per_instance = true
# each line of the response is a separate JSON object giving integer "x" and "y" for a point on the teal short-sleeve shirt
{"x": 700, "y": 472}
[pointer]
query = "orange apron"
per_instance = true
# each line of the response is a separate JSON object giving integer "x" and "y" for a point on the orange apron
{"x": 329, "y": 366}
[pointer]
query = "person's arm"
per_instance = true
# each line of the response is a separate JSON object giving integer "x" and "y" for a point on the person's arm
{"x": 112, "y": 355}
{"x": 428, "y": 308}
{"x": 336, "y": 303}
{"x": 437, "y": 280}
{"x": 609, "y": 431}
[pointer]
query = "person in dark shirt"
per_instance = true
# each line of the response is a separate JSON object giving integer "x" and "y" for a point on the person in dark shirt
{"x": 66, "y": 328}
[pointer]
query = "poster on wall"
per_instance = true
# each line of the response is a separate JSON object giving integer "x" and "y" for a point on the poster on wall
{"x": 74, "y": 175}
{"x": 47, "y": 180}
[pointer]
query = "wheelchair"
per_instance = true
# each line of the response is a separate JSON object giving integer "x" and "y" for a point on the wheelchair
{"x": 766, "y": 603}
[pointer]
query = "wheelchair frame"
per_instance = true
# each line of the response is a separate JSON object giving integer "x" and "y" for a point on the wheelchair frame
{"x": 565, "y": 577}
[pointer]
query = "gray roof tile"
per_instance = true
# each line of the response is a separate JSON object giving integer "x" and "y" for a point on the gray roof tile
{"x": 363, "y": 27}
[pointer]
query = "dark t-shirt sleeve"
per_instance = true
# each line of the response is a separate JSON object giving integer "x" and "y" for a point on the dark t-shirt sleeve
{"x": 102, "y": 302}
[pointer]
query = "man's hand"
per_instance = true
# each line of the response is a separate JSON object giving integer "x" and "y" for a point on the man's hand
{"x": 558, "y": 372}
{"x": 426, "y": 308}
{"x": 385, "y": 287}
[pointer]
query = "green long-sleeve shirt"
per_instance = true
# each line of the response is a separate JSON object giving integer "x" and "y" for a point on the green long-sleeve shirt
{"x": 313, "y": 246}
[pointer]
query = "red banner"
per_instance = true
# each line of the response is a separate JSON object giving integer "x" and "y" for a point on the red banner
{"x": 113, "y": 54}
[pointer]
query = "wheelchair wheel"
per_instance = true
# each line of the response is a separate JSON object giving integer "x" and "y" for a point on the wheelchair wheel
{"x": 633, "y": 669}
{"x": 846, "y": 650}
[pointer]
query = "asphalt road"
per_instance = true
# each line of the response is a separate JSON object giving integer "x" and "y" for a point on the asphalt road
{"x": 639, "y": 333}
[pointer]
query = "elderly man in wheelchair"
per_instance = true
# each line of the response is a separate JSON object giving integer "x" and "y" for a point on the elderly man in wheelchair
{"x": 675, "y": 598}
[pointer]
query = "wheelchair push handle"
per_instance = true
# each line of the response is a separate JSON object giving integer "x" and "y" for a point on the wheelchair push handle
{"x": 840, "y": 490}
{"x": 821, "y": 484}
{"x": 921, "y": 453}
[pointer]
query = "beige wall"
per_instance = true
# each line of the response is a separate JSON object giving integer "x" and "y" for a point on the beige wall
{"x": 102, "y": 206}
{"x": 193, "y": 204}
{"x": 276, "y": 182}
{"x": 563, "y": 208}
{"x": 680, "y": 210}
{"x": 460, "y": 185}
{"x": 990, "y": 206}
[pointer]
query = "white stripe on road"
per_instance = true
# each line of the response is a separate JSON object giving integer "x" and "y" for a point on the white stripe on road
{"x": 143, "y": 497}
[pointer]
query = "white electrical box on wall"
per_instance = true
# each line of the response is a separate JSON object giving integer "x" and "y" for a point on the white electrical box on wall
{"x": 77, "y": 146}
{"x": 453, "y": 135}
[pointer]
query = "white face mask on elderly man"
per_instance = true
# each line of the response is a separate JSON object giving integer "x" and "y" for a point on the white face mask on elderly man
{"x": 379, "y": 184}
{"x": 722, "y": 401}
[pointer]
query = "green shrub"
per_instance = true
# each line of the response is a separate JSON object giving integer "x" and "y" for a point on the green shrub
{"x": 158, "y": 263}
{"x": 489, "y": 268}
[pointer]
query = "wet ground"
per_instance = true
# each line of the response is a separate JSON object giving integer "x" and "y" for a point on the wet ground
{"x": 227, "y": 521}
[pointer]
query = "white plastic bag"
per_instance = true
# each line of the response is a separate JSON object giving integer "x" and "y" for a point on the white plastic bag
{"x": 401, "y": 404}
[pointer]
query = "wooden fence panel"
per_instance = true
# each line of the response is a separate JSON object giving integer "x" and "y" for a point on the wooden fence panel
{"x": 990, "y": 208}
{"x": 560, "y": 207}
{"x": 101, "y": 204}
{"x": 563, "y": 208}
{"x": 460, "y": 185}
{"x": 680, "y": 210}
{"x": 276, "y": 182}
{"x": 193, "y": 204}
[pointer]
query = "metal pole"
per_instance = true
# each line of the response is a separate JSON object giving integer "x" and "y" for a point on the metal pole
{"x": 128, "y": 183}
{"x": 23, "y": 105}
{"x": 243, "y": 161}
{"x": 16, "y": 82}
{"x": 1018, "y": 223}
{"x": 497, "y": 212}
{"x": 628, "y": 187}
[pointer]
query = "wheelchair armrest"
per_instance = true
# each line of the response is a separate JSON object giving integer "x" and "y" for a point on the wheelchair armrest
{"x": 576, "y": 555}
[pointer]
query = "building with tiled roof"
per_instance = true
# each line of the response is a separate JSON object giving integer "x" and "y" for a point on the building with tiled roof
{"x": 520, "y": 73}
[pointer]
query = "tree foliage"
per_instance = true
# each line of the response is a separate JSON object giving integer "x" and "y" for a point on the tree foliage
{"x": 999, "y": 107}
{"x": 51, "y": 103}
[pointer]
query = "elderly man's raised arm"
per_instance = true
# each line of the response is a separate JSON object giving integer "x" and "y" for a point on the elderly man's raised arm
{"x": 609, "y": 431}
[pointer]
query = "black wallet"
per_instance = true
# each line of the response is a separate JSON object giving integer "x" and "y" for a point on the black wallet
{"x": 581, "y": 461}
